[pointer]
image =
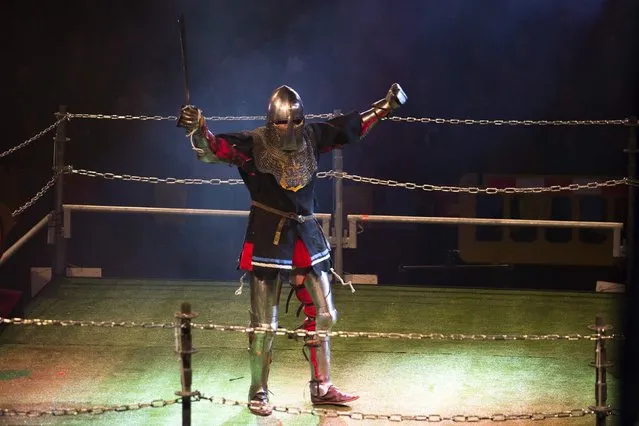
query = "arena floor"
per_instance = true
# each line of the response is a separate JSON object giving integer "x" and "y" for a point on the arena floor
{"x": 54, "y": 367}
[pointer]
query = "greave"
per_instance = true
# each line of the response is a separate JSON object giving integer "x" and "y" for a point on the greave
{"x": 317, "y": 348}
{"x": 265, "y": 294}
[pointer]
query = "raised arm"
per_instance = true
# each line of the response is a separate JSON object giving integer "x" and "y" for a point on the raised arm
{"x": 383, "y": 108}
{"x": 351, "y": 127}
{"x": 232, "y": 148}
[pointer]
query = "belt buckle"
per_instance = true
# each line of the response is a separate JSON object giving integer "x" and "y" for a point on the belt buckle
{"x": 300, "y": 218}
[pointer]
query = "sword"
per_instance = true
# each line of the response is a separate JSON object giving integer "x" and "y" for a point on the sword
{"x": 185, "y": 69}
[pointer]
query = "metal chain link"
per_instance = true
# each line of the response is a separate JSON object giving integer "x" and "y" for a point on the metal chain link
{"x": 471, "y": 121}
{"x": 355, "y": 415}
{"x": 467, "y": 121}
{"x": 99, "y": 409}
{"x": 147, "y": 179}
{"x": 33, "y": 138}
{"x": 302, "y": 333}
{"x": 123, "y": 117}
{"x": 396, "y": 417}
{"x": 41, "y": 192}
{"x": 373, "y": 181}
{"x": 174, "y": 118}
{"x": 324, "y": 116}
{"x": 83, "y": 323}
{"x": 472, "y": 189}
{"x": 409, "y": 336}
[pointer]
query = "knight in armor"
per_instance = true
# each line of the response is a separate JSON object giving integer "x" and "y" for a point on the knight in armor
{"x": 278, "y": 164}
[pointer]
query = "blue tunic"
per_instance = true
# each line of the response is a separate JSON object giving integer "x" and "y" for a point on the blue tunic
{"x": 270, "y": 239}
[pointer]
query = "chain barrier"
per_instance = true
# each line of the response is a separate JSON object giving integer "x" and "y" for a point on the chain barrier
{"x": 150, "y": 179}
{"x": 41, "y": 192}
{"x": 408, "y": 336}
{"x": 293, "y": 333}
{"x": 328, "y": 174}
{"x": 82, "y": 323}
{"x": 470, "y": 121}
{"x": 475, "y": 190}
{"x": 174, "y": 117}
{"x": 396, "y": 417}
{"x": 323, "y": 116}
{"x": 124, "y": 117}
{"x": 33, "y": 138}
{"x": 466, "y": 121}
{"x": 331, "y": 173}
{"x": 99, "y": 409}
{"x": 355, "y": 415}
{"x": 373, "y": 181}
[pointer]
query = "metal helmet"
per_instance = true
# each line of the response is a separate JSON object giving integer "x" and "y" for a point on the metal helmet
{"x": 285, "y": 107}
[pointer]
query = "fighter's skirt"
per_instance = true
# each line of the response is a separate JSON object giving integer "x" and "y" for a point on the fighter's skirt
{"x": 274, "y": 242}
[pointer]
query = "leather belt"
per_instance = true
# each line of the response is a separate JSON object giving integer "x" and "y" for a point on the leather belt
{"x": 296, "y": 217}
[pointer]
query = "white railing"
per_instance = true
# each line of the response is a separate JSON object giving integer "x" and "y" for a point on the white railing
{"x": 324, "y": 218}
{"x": 615, "y": 227}
{"x": 23, "y": 240}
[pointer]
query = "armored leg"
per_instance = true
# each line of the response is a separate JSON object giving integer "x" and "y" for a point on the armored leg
{"x": 317, "y": 348}
{"x": 265, "y": 297}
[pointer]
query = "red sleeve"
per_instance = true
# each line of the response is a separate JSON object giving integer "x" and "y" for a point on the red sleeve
{"x": 231, "y": 148}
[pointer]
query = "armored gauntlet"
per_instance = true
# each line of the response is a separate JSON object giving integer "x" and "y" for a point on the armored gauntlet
{"x": 191, "y": 120}
{"x": 383, "y": 108}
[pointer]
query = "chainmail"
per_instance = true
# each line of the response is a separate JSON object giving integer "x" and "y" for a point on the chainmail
{"x": 292, "y": 170}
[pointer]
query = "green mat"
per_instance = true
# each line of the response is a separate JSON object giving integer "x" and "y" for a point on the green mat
{"x": 54, "y": 367}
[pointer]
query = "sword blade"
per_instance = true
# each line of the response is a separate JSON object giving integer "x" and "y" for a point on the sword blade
{"x": 185, "y": 69}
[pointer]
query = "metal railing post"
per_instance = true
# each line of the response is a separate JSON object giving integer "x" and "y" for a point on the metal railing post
{"x": 56, "y": 230}
{"x": 600, "y": 364}
{"x": 184, "y": 348}
{"x": 338, "y": 208}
